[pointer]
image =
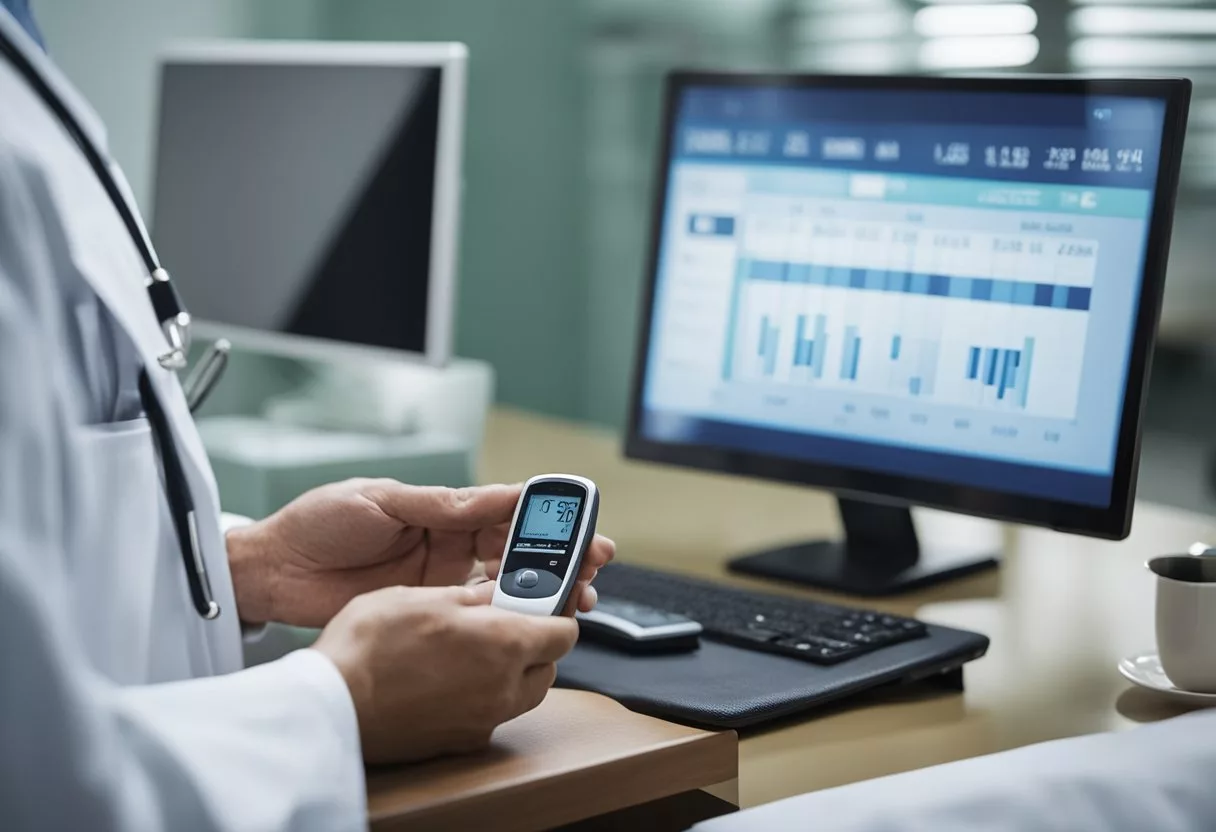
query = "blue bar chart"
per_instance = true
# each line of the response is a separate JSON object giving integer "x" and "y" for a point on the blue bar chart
{"x": 998, "y": 328}
{"x": 928, "y": 348}
{"x": 767, "y": 350}
{"x": 810, "y": 347}
{"x": 851, "y": 355}
{"x": 1004, "y": 372}
{"x": 928, "y": 315}
{"x": 914, "y": 365}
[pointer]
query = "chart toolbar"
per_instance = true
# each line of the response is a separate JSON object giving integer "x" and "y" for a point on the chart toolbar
{"x": 1068, "y": 157}
{"x": 1112, "y": 143}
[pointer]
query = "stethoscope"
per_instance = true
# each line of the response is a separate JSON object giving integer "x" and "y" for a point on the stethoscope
{"x": 175, "y": 323}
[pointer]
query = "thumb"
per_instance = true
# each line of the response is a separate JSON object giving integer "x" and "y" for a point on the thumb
{"x": 444, "y": 509}
{"x": 410, "y": 595}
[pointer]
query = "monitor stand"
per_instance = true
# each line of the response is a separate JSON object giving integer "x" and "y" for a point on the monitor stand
{"x": 880, "y": 555}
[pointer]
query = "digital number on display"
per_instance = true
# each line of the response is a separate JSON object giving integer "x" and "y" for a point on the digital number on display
{"x": 550, "y": 518}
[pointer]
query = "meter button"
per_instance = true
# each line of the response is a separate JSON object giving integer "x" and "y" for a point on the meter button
{"x": 527, "y": 578}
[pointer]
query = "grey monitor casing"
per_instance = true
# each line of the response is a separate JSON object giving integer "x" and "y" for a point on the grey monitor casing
{"x": 289, "y": 188}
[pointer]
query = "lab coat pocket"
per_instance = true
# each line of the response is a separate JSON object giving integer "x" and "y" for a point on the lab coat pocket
{"x": 118, "y": 545}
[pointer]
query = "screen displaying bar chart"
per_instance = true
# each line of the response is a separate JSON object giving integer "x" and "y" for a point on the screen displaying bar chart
{"x": 915, "y": 307}
{"x": 899, "y": 310}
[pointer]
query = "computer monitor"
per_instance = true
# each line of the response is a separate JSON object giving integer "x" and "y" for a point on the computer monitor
{"x": 307, "y": 194}
{"x": 929, "y": 291}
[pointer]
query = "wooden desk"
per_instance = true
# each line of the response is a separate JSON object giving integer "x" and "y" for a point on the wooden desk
{"x": 1061, "y": 611}
{"x": 580, "y": 760}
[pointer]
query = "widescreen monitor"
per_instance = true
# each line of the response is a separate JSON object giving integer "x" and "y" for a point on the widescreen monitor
{"x": 933, "y": 291}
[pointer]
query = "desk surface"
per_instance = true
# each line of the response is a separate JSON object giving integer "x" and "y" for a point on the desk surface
{"x": 576, "y": 756}
{"x": 1061, "y": 611}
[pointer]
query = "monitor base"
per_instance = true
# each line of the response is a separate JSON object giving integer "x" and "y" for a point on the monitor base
{"x": 828, "y": 565}
{"x": 879, "y": 556}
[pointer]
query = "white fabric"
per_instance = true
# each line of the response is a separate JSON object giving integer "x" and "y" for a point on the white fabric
{"x": 121, "y": 708}
{"x": 230, "y": 521}
{"x": 1158, "y": 778}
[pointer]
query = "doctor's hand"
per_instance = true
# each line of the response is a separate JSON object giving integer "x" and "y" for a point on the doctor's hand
{"x": 305, "y": 562}
{"x": 435, "y": 670}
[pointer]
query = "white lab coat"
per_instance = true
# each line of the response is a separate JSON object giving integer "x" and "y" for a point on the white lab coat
{"x": 121, "y": 708}
{"x": 1156, "y": 778}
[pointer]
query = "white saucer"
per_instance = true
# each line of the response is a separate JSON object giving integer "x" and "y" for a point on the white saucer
{"x": 1144, "y": 669}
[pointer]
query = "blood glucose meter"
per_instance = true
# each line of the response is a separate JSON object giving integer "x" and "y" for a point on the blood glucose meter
{"x": 553, "y": 526}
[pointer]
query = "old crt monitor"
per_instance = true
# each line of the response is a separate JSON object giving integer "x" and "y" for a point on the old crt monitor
{"x": 929, "y": 291}
{"x": 306, "y": 194}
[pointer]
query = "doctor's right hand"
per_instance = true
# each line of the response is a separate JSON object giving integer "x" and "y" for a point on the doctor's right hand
{"x": 435, "y": 670}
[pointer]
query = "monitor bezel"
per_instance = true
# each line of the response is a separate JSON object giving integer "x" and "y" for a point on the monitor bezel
{"x": 1114, "y": 521}
{"x": 451, "y": 59}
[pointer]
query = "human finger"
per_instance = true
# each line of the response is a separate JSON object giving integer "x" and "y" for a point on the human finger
{"x": 490, "y": 541}
{"x": 601, "y": 551}
{"x": 545, "y": 639}
{"x": 482, "y": 590}
{"x": 534, "y": 686}
{"x": 445, "y": 509}
{"x": 599, "y": 554}
{"x": 587, "y": 598}
{"x": 492, "y": 568}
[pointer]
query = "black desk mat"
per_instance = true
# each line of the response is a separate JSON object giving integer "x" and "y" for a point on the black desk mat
{"x": 720, "y": 686}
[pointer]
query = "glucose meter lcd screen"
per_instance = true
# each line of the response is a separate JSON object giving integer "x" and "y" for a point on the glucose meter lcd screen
{"x": 550, "y": 517}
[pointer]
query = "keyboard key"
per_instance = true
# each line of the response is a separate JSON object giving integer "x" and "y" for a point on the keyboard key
{"x": 809, "y": 649}
{"x": 826, "y": 642}
{"x": 761, "y": 634}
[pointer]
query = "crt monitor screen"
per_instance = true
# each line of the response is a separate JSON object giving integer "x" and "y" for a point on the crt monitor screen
{"x": 297, "y": 198}
{"x": 937, "y": 284}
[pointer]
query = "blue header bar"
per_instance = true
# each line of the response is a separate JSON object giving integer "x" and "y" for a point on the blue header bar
{"x": 1132, "y": 203}
{"x": 1054, "y": 139}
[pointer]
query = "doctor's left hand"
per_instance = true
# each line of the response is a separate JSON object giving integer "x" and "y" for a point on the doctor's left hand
{"x": 302, "y": 564}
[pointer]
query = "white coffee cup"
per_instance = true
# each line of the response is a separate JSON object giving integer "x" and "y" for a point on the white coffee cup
{"x": 1186, "y": 619}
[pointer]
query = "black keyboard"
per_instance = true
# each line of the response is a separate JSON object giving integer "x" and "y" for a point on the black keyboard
{"x": 808, "y": 630}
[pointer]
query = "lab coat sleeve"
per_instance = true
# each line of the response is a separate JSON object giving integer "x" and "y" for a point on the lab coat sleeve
{"x": 275, "y": 747}
{"x": 1157, "y": 777}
